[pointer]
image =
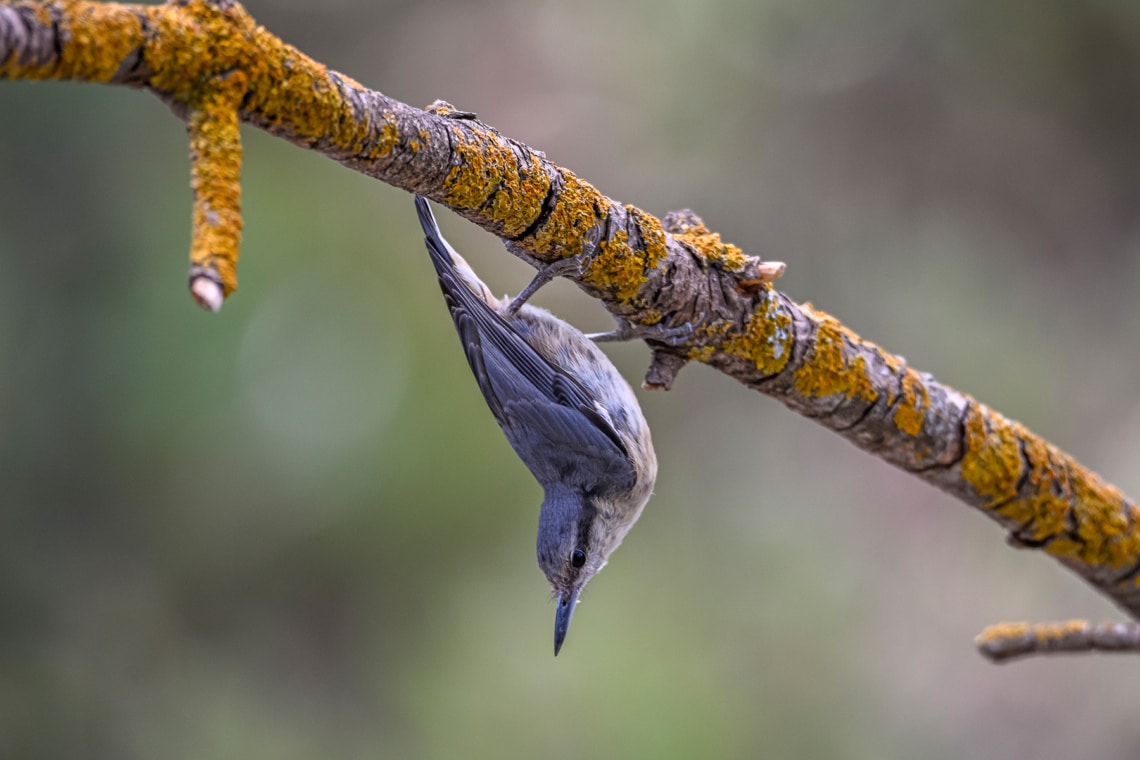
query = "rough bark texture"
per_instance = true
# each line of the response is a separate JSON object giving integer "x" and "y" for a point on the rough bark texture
{"x": 209, "y": 61}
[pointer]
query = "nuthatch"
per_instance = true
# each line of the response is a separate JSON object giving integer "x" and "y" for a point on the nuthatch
{"x": 567, "y": 412}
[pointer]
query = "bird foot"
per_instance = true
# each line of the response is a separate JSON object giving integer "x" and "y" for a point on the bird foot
{"x": 626, "y": 330}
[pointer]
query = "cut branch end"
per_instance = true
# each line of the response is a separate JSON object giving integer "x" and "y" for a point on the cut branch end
{"x": 206, "y": 289}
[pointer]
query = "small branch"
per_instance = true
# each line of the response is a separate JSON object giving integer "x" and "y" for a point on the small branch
{"x": 1009, "y": 641}
{"x": 663, "y": 370}
{"x": 215, "y": 170}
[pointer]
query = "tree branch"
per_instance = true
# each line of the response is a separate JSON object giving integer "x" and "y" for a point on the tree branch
{"x": 211, "y": 63}
{"x": 1009, "y": 641}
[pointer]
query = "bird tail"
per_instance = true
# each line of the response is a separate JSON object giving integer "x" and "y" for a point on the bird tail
{"x": 447, "y": 261}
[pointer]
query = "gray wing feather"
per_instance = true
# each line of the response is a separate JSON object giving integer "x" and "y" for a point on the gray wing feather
{"x": 548, "y": 417}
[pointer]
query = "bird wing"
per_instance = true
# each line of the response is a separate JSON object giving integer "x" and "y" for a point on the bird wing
{"x": 545, "y": 412}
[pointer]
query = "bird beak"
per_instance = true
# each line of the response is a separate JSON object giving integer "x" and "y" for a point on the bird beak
{"x": 567, "y": 600}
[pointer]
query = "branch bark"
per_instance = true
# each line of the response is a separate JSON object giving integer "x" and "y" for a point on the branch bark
{"x": 213, "y": 65}
{"x": 1010, "y": 641}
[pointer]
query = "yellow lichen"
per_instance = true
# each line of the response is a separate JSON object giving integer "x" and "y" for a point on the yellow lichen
{"x": 701, "y": 353}
{"x": 1079, "y": 517}
{"x": 709, "y": 246}
{"x": 1047, "y": 632}
{"x": 579, "y": 207}
{"x": 98, "y": 39}
{"x": 1105, "y": 534}
{"x": 911, "y": 411}
{"x": 518, "y": 200}
{"x": 991, "y": 462}
{"x": 652, "y": 235}
{"x": 488, "y": 170}
{"x": 828, "y": 370}
{"x": 1045, "y": 501}
{"x": 389, "y": 136}
{"x": 619, "y": 268}
{"x": 1002, "y": 632}
{"x": 481, "y": 165}
{"x": 614, "y": 267}
{"x": 194, "y": 43}
{"x": 215, "y": 164}
{"x": 286, "y": 86}
{"x": 1041, "y": 634}
{"x": 766, "y": 340}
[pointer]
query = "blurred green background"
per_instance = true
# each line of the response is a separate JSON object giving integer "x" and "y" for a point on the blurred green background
{"x": 293, "y": 530}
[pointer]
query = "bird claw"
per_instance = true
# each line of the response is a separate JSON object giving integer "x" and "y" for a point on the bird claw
{"x": 626, "y": 330}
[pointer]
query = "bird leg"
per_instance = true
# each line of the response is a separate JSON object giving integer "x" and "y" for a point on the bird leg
{"x": 545, "y": 275}
{"x": 626, "y": 330}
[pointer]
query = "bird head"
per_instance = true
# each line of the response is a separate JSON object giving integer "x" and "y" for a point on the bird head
{"x": 577, "y": 532}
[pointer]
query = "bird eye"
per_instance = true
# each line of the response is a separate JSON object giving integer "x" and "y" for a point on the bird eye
{"x": 578, "y": 558}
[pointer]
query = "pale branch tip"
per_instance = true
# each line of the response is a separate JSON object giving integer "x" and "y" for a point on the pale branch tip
{"x": 215, "y": 67}
{"x": 770, "y": 271}
{"x": 206, "y": 291}
{"x": 1010, "y": 641}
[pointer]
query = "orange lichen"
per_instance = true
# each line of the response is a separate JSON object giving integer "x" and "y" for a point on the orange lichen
{"x": 991, "y": 462}
{"x": 615, "y": 266}
{"x": 215, "y": 163}
{"x": 578, "y": 208}
{"x": 1055, "y": 631}
{"x": 1078, "y": 516}
{"x": 420, "y": 141}
{"x": 911, "y": 411}
{"x": 194, "y": 43}
{"x": 389, "y": 136}
{"x": 619, "y": 268}
{"x": 828, "y": 369}
{"x": 709, "y": 246}
{"x": 288, "y": 87}
{"x": 766, "y": 340}
{"x": 1045, "y": 500}
{"x": 701, "y": 353}
{"x": 518, "y": 200}
{"x": 488, "y": 170}
{"x": 1002, "y": 632}
{"x": 652, "y": 235}
{"x": 1032, "y": 636}
{"x": 185, "y": 48}
{"x": 482, "y": 164}
{"x": 211, "y": 61}
{"x": 711, "y": 335}
{"x": 1104, "y": 523}
{"x": 99, "y": 37}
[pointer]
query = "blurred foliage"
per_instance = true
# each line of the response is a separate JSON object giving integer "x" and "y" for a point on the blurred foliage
{"x": 293, "y": 529}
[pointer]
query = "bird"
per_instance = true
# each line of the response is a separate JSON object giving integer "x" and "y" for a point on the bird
{"x": 567, "y": 412}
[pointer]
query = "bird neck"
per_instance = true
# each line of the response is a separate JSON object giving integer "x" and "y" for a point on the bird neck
{"x": 565, "y": 519}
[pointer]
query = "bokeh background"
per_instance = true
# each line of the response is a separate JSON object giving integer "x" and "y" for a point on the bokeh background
{"x": 292, "y": 530}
